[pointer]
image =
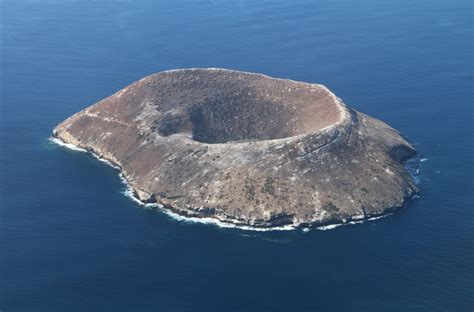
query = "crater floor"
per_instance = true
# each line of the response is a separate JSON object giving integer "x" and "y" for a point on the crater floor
{"x": 246, "y": 148}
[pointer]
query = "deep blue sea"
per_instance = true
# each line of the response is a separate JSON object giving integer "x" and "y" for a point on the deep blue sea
{"x": 71, "y": 241}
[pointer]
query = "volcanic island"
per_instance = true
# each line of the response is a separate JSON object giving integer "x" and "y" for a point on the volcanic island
{"x": 246, "y": 149}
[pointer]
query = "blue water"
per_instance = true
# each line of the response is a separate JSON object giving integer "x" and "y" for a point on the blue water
{"x": 71, "y": 241}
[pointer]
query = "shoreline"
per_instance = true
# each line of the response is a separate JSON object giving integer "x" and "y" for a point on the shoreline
{"x": 131, "y": 194}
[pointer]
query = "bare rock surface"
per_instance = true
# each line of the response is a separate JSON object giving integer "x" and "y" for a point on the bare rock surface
{"x": 246, "y": 149}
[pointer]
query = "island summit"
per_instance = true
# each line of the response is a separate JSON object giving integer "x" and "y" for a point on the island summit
{"x": 246, "y": 149}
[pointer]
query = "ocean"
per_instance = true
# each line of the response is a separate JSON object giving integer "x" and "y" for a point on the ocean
{"x": 72, "y": 240}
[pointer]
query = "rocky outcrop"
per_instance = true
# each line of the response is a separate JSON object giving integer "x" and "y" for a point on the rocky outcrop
{"x": 246, "y": 148}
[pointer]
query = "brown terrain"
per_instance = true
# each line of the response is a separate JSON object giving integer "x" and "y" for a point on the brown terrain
{"x": 246, "y": 149}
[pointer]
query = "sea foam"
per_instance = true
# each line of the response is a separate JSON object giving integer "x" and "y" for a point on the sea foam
{"x": 67, "y": 145}
{"x": 352, "y": 222}
{"x": 413, "y": 167}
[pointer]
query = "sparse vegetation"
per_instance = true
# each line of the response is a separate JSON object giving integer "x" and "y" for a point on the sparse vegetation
{"x": 268, "y": 186}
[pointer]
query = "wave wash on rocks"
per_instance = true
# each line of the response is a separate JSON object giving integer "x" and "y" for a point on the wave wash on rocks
{"x": 246, "y": 149}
